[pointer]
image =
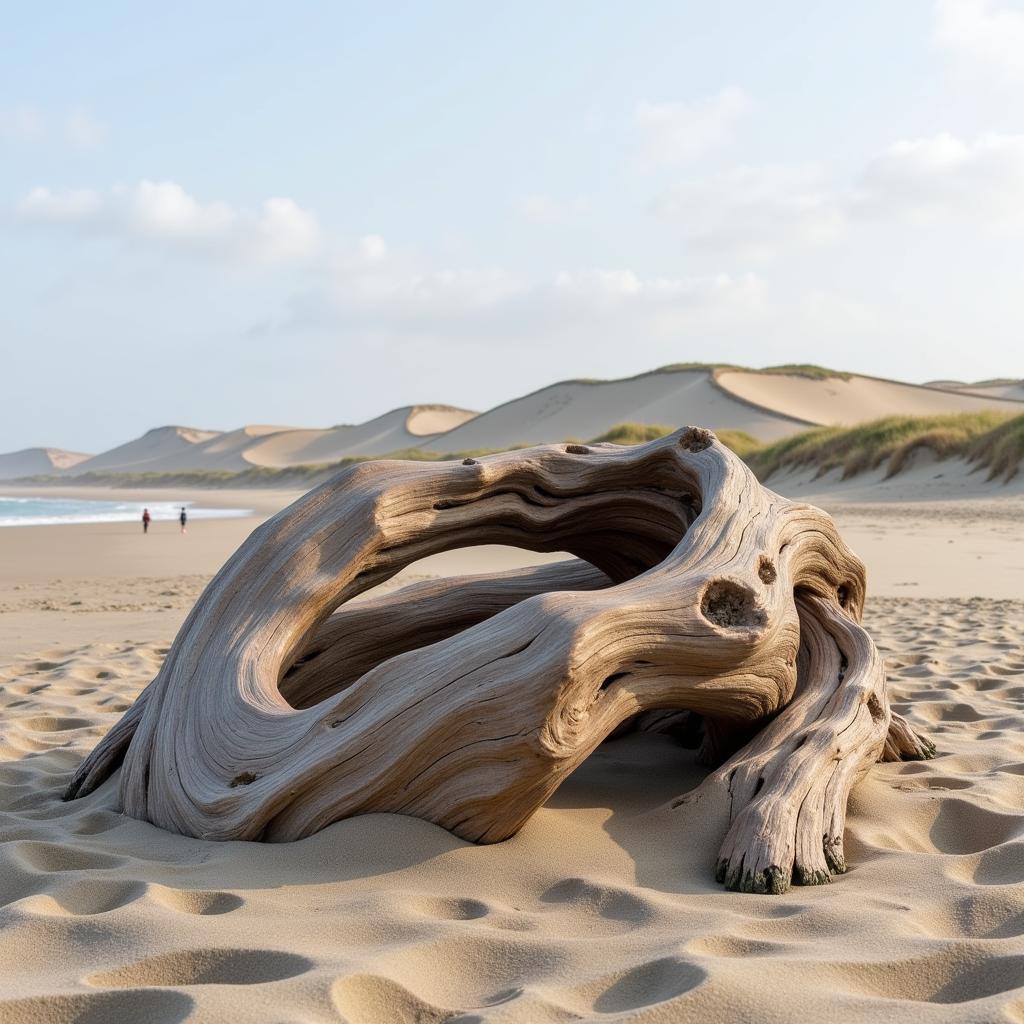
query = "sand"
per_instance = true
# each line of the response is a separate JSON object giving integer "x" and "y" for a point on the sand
{"x": 602, "y": 908}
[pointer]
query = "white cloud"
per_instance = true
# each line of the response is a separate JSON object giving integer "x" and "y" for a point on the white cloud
{"x": 162, "y": 212}
{"x": 163, "y": 209}
{"x": 372, "y": 249}
{"x": 27, "y": 124}
{"x": 680, "y": 132}
{"x": 984, "y": 38}
{"x": 72, "y": 206}
{"x": 754, "y": 210}
{"x": 399, "y": 295}
{"x": 545, "y": 209}
{"x": 937, "y": 180}
{"x": 943, "y": 179}
{"x": 395, "y": 294}
{"x": 82, "y": 130}
{"x": 20, "y": 124}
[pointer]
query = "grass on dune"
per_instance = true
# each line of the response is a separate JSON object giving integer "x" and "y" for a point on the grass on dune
{"x": 1001, "y": 450}
{"x": 808, "y": 370}
{"x": 738, "y": 441}
{"x": 984, "y": 437}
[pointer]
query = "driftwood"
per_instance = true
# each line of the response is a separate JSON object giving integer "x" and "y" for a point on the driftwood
{"x": 282, "y": 707}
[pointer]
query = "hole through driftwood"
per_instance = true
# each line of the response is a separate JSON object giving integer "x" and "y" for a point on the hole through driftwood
{"x": 622, "y": 533}
{"x": 729, "y": 604}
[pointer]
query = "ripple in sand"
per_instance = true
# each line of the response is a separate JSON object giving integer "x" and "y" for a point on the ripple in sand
{"x": 99, "y": 1008}
{"x": 204, "y": 902}
{"x": 447, "y": 908}
{"x": 1002, "y": 865}
{"x": 951, "y": 976}
{"x": 52, "y": 723}
{"x": 595, "y": 900}
{"x": 964, "y": 827}
{"x": 472, "y": 968}
{"x": 933, "y": 782}
{"x": 95, "y": 823}
{"x": 949, "y": 825}
{"x": 988, "y": 977}
{"x": 205, "y": 967}
{"x": 51, "y": 857}
{"x": 734, "y": 946}
{"x": 88, "y": 897}
{"x": 655, "y": 982}
{"x": 985, "y": 913}
{"x": 366, "y": 997}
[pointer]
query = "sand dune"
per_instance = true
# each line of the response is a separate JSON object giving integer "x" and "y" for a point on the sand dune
{"x": 585, "y": 409}
{"x": 407, "y": 427}
{"x": 150, "y": 452}
{"x": 1009, "y": 389}
{"x": 221, "y": 451}
{"x": 766, "y": 405}
{"x": 836, "y": 401}
{"x": 32, "y": 461}
{"x": 170, "y": 449}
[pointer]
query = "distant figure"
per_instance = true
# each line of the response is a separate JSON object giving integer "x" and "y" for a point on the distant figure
{"x": 183, "y": 518}
{"x": 145, "y": 520}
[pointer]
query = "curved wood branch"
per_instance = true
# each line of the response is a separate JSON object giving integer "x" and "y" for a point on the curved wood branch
{"x": 282, "y": 708}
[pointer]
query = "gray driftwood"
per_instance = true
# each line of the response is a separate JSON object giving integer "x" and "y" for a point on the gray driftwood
{"x": 282, "y": 707}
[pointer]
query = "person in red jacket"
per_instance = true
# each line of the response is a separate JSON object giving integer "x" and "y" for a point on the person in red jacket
{"x": 145, "y": 520}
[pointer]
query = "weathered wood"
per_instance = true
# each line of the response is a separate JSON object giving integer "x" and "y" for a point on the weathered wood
{"x": 282, "y": 707}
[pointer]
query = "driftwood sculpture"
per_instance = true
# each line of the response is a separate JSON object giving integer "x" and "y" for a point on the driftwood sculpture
{"x": 281, "y": 707}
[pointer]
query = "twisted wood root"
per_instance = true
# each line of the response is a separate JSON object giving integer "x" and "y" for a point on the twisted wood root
{"x": 281, "y": 707}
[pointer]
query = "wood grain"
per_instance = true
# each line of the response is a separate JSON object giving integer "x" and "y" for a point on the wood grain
{"x": 282, "y": 707}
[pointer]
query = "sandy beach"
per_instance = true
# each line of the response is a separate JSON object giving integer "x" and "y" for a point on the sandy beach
{"x": 604, "y": 906}
{"x": 715, "y": 306}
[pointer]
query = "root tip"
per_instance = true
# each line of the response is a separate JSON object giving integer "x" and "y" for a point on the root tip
{"x": 833, "y": 848}
{"x": 772, "y": 881}
{"x": 807, "y": 876}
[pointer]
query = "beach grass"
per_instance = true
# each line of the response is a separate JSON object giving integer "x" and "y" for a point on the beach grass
{"x": 809, "y": 370}
{"x": 982, "y": 437}
{"x": 739, "y": 441}
{"x": 1000, "y": 450}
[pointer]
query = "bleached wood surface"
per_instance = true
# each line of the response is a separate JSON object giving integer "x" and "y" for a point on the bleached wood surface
{"x": 281, "y": 707}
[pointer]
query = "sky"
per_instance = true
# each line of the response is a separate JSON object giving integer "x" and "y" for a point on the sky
{"x": 308, "y": 214}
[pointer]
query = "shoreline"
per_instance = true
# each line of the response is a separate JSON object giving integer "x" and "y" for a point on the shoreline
{"x": 261, "y": 499}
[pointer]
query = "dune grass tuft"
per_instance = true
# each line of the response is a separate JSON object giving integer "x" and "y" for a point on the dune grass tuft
{"x": 888, "y": 442}
{"x": 809, "y": 370}
{"x": 633, "y": 433}
{"x": 738, "y": 441}
{"x": 1001, "y": 450}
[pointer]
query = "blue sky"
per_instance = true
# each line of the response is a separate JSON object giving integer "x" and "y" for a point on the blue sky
{"x": 311, "y": 213}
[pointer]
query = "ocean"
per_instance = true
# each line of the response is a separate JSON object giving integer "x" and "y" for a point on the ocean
{"x": 54, "y": 511}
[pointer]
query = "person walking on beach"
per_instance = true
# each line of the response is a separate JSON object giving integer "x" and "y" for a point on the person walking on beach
{"x": 183, "y": 518}
{"x": 145, "y": 520}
